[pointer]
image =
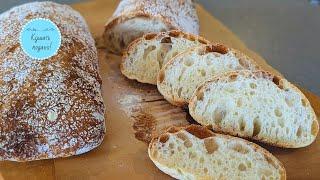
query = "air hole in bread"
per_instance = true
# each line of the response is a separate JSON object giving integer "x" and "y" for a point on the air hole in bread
{"x": 278, "y": 112}
{"x": 200, "y": 95}
{"x": 164, "y": 138}
{"x": 219, "y": 115}
{"x": 314, "y": 128}
{"x": 182, "y": 136}
{"x": 122, "y": 43}
{"x": 304, "y": 102}
{"x": 201, "y": 160}
{"x": 256, "y": 126}
{"x": 276, "y": 80}
{"x": 199, "y": 131}
{"x": 150, "y": 36}
{"x": 242, "y": 124}
{"x": 253, "y": 85}
{"x": 171, "y": 145}
{"x": 187, "y": 143}
{"x": 239, "y": 102}
{"x": 289, "y": 102}
{"x": 242, "y": 167}
{"x": 299, "y": 132}
{"x": 252, "y": 93}
{"x": 179, "y": 91}
{"x": 240, "y": 149}
{"x": 148, "y": 50}
{"x": 179, "y": 171}
{"x": 188, "y": 62}
{"x": 210, "y": 145}
{"x": 163, "y": 51}
{"x": 161, "y": 77}
{"x": 192, "y": 155}
{"x": 166, "y": 40}
{"x": 202, "y": 72}
{"x": 248, "y": 164}
{"x": 281, "y": 122}
{"x": 233, "y": 77}
{"x": 205, "y": 170}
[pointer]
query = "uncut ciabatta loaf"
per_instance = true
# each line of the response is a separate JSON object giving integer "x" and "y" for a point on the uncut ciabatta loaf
{"x": 194, "y": 152}
{"x": 256, "y": 105}
{"x": 148, "y": 54}
{"x": 134, "y": 18}
{"x": 51, "y": 108}
{"x": 181, "y": 76}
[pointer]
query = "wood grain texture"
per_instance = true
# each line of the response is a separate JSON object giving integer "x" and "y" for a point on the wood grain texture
{"x": 121, "y": 155}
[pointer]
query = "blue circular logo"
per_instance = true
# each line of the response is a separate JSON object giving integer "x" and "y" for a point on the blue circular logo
{"x": 40, "y": 39}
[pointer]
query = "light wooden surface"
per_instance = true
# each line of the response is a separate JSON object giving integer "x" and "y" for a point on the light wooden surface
{"x": 122, "y": 156}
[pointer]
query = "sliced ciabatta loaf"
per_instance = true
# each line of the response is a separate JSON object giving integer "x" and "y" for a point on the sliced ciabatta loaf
{"x": 146, "y": 56}
{"x": 181, "y": 76}
{"x": 134, "y": 18}
{"x": 256, "y": 105}
{"x": 194, "y": 152}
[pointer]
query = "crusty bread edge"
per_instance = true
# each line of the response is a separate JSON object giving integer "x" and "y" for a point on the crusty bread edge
{"x": 131, "y": 47}
{"x": 196, "y": 129}
{"x": 128, "y": 16}
{"x": 181, "y": 102}
{"x": 266, "y": 75}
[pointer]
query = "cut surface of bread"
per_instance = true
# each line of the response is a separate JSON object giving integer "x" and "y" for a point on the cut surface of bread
{"x": 134, "y": 18}
{"x": 147, "y": 55}
{"x": 181, "y": 76}
{"x": 194, "y": 152}
{"x": 256, "y": 105}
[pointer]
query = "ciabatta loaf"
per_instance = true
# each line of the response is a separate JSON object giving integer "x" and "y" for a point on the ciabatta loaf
{"x": 181, "y": 76}
{"x": 134, "y": 18}
{"x": 256, "y": 105}
{"x": 195, "y": 152}
{"x": 147, "y": 55}
{"x": 51, "y": 108}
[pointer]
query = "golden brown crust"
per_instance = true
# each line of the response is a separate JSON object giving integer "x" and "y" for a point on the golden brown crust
{"x": 51, "y": 108}
{"x": 277, "y": 80}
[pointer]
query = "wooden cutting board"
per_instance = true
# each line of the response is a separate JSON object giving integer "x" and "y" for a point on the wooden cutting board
{"x": 135, "y": 111}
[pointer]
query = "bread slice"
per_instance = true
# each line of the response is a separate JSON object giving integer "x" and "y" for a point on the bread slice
{"x": 181, "y": 76}
{"x": 146, "y": 56}
{"x": 256, "y": 105}
{"x": 194, "y": 152}
{"x": 134, "y": 18}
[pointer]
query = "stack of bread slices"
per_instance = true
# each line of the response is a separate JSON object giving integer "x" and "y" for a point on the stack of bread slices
{"x": 227, "y": 92}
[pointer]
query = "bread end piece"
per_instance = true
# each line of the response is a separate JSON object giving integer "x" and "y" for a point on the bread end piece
{"x": 194, "y": 152}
